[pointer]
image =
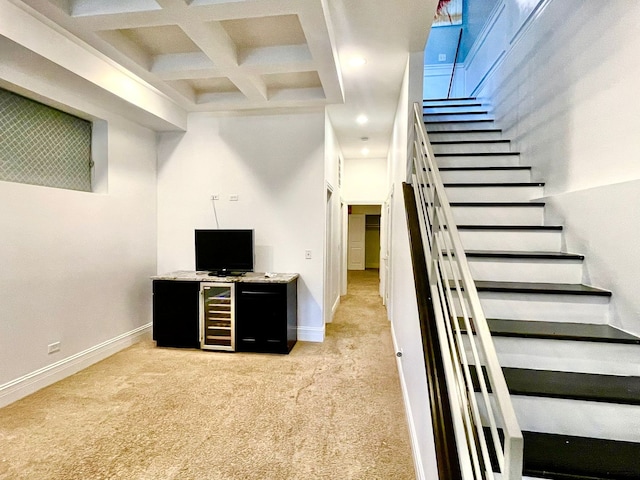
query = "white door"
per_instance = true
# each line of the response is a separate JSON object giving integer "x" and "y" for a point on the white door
{"x": 355, "y": 258}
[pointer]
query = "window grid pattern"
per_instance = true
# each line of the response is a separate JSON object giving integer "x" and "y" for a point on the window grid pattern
{"x": 40, "y": 145}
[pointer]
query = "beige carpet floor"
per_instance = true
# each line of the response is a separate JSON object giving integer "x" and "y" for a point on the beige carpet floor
{"x": 329, "y": 410}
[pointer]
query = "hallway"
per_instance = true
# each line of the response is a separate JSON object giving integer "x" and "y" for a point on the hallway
{"x": 326, "y": 411}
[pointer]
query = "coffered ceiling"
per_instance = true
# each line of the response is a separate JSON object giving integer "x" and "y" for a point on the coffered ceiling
{"x": 229, "y": 56}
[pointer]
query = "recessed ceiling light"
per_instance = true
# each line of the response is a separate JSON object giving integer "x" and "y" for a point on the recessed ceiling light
{"x": 357, "y": 61}
{"x": 362, "y": 119}
{"x": 365, "y": 151}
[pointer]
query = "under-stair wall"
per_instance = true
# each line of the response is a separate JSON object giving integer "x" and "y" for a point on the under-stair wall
{"x": 561, "y": 75}
{"x": 573, "y": 375}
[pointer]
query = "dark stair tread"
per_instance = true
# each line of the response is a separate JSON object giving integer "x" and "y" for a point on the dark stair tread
{"x": 471, "y": 130}
{"x": 589, "y": 332}
{"x": 468, "y": 142}
{"x": 453, "y": 104}
{"x": 589, "y": 387}
{"x": 497, "y": 204}
{"x": 564, "y": 457}
{"x": 494, "y": 184}
{"x": 471, "y": 169}
{"x": 538, "y": 287}
{"x": 471, "y": 120}
{"x": 471, "y": 112}
{"x": 583, "y": 332}
{"x": 523, "y": 254}
{"x": 568, "y": 457}
{"x": 477, "y": 154}
{"x": 450, "y": 99}
{"x": 522, "y": 228}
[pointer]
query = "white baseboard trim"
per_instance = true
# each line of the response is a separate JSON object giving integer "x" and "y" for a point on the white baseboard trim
{"x": 311, "y": 334}
{"x": 415, "y": 450}
{"x": 34, "y": 381}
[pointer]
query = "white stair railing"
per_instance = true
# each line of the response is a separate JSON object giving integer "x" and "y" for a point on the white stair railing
{"x": 465, "y": 340}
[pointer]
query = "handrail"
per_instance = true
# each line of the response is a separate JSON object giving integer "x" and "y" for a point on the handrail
{"x": 465, "y": 340}
{"x": 441, "y": 418}
{"x": 455, "y": 60}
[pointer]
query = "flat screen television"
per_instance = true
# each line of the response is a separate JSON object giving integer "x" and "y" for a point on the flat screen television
{"x": 224, "y": 252}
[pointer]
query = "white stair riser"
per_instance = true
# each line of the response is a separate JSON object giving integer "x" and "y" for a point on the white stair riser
{"x": 575, "y": 417}
{"x": 481, "y": 176}
{"x": 456, "y": 117}
{"x": 494, "y": 194}
{"x": 520, "y": 270}
{"x": 548, "y": 307}
{"x": 471, "y": 147}
{"x": 498, "y": 215}
{"x": 601, "y": 358}
{"x": 578, "y": 417}
{"x": 541, "y": 241}
{"x": 498, "y": 476}
{"x": 526, "y": 270}
{"x": 445, "y": 137}
{"x": 450, "y": 127}
{"x": 429, "y": 109}
{"x": 478, "y": 161}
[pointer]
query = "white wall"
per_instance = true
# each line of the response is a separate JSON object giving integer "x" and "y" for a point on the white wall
{"x": 577, "y": 123}
{"x": 275, "y": 164}
{"x": 76, "y": 265}
{"x": 604, "y": 222}
{"x": 437, "y": 79}
{"x": 365, "y": 180}
{"x": 402, "y": 307}
{"x": 334, "y": 267}
{"x": 562, "y": 91}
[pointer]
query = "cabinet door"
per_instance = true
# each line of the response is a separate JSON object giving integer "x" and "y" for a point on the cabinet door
{"x": 176, "y": 313}
{"x": 261, "y": 318}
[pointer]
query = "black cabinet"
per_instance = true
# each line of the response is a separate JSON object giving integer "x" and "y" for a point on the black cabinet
{"x": 176, "y": 313}
{"x": 266, "y": 317}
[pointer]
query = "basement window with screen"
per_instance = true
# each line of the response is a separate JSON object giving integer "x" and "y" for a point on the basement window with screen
{"x": 41, "y": 145}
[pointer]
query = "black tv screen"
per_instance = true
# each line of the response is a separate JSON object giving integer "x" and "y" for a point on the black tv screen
{"x": 224, "y": 251}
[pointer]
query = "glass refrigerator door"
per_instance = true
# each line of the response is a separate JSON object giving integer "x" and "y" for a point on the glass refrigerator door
{"x": 217, "y": 317}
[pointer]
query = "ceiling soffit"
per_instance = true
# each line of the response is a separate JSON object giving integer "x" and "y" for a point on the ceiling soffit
{"x": 213, "y": 55}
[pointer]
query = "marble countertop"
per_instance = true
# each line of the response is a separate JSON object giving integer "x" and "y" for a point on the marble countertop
{"x": 250, "y": 277}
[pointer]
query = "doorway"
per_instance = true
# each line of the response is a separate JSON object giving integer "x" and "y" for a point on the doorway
{"x": 363, "y": 237}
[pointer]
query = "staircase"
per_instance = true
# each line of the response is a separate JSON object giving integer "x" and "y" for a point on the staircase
{"x": 574, "y": 378}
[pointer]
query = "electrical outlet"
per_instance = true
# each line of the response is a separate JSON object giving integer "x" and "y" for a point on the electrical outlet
{"x": 442, "y": 57}
{"x": 307, "y": 254}
{"x": 233, "y": 197}
{"x": 53, "y": 347}
{"x": 215, "y": 196}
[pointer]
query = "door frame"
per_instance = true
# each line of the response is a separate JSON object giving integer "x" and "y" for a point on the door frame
{"x": 345, "y": 235}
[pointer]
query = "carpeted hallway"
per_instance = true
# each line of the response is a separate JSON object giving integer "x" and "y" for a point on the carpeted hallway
{"x": 329, "y": 410}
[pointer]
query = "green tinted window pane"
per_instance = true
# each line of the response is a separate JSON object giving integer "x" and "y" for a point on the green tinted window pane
{"x": 40, "y": 145}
